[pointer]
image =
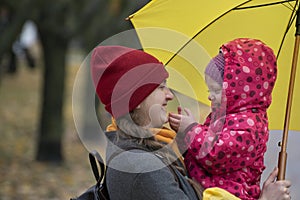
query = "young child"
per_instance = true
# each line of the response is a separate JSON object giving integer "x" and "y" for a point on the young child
{"x": 227, "y": 151}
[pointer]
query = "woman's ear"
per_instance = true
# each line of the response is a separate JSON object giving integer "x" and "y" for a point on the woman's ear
{"x": 138, "y": 107}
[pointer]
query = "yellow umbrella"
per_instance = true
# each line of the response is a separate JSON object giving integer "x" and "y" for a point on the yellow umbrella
{"x": 172, "y": 30}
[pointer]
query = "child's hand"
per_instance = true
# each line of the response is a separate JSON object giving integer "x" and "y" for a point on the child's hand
{"x": 179, "y": 122}
{"x": 174, "y": 119}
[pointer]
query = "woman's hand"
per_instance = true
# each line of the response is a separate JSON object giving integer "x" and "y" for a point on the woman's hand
{"x": 275, "y": 190}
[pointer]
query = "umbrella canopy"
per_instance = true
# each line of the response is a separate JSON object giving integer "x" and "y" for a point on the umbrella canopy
{"x": 185, "y": 34}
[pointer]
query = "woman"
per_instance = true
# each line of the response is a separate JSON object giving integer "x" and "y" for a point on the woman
{"x": 132, "y": 86}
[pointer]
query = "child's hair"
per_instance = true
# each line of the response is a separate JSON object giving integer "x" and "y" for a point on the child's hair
{"x": 215, "y": 68}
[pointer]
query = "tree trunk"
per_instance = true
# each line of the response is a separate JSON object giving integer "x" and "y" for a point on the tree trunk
{"x": 51, "y": 124}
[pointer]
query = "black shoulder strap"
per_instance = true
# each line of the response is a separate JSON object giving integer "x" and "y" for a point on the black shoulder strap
{"x": 96, "y": 162}
{"x": 95, "y": 158}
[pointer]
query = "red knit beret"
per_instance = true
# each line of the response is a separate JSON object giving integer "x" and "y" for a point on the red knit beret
{"x": 124, "y": 77}
{"x": 215, "y": 68}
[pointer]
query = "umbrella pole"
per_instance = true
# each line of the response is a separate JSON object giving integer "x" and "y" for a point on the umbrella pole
{"x": 283, "y": 154}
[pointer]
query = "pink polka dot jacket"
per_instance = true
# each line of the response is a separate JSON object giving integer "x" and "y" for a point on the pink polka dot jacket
{"x": 227, "y": 150}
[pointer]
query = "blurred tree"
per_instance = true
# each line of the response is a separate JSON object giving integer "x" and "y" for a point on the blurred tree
{"x": 10, "y": 26}
{"x": 106, "y": 23}
{"x": 58, "y": 22}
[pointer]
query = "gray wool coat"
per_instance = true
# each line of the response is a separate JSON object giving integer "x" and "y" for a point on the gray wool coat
{"x": 138, "y": 174}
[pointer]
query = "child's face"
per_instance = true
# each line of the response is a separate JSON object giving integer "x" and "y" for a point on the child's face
{"x": 215, "y": 91}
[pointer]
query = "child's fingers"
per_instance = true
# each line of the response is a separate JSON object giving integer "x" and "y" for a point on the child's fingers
{"x": 174, "y": 123}
{"x": 179, "y": 109}
{"x": 173, "y": 119}
{"x": 175, "y": 116}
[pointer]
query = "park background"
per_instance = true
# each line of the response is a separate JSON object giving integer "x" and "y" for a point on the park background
{"x": 22, "y": 174}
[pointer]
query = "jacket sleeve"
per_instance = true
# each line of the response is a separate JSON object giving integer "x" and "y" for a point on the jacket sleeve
{"x": 236, "y": 146}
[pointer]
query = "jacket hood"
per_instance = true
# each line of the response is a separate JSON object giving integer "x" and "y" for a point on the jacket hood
{"x": 249, "y": 74}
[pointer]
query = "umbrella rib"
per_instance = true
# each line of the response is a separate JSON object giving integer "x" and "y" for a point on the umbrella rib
{"x": 262, "y": 5}
{"x": 292, "y": 18}
{"x": 291, "y": 7}
{"x": 183, "y": 46}
{"x": 293, "y": 15}
{"x": 241, "y": 8}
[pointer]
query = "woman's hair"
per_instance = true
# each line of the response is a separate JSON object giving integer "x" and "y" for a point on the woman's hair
{"x": 130, "y": 128}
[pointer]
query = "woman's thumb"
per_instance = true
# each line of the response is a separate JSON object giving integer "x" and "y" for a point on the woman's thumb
{"x": 272, "y": 177}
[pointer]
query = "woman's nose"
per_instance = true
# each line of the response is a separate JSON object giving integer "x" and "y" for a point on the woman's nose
{"x": 169, "y": 94}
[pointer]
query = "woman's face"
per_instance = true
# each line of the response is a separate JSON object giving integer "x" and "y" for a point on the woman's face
{"x": 215, "y": 91}
{"x": 154, "y": 107}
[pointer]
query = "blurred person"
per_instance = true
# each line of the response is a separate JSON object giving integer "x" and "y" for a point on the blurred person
{"x": 23, "y": 43}
{"x": 22, "y": 46}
